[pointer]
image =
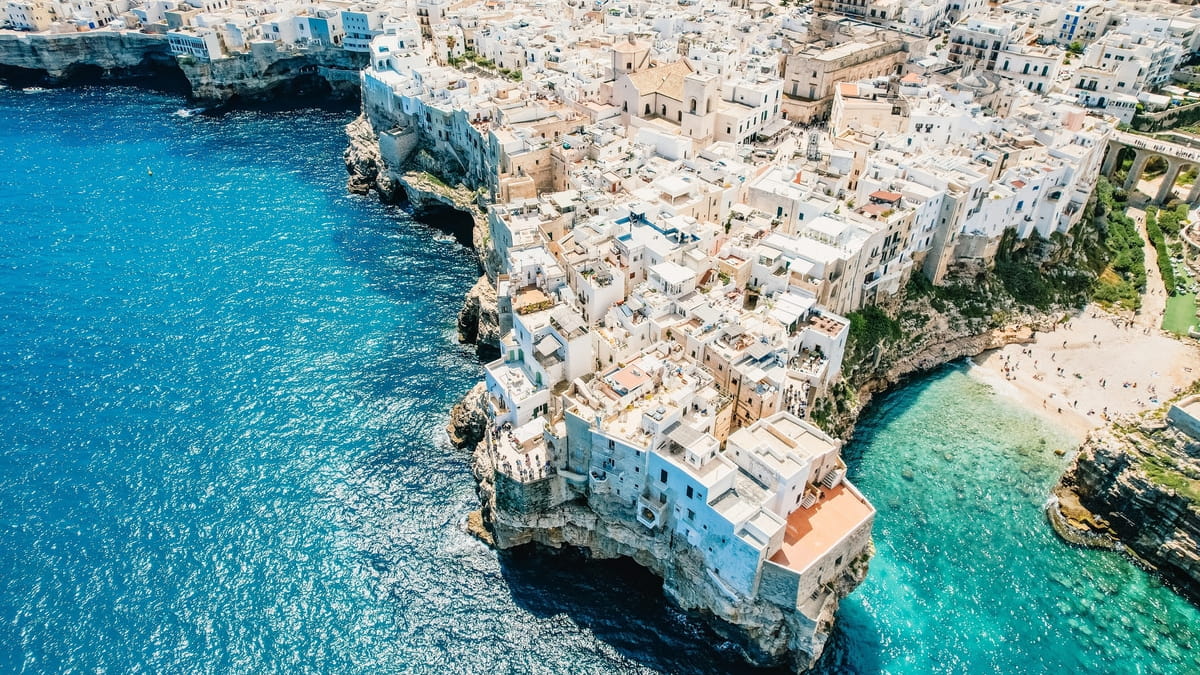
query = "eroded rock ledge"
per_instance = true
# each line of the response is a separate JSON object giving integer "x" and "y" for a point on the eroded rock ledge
{"x": 452, "y": 209}
{"x": 87, "y": 58}
{"x": 1134, "y": 482}
{"x": 267, "y": 72}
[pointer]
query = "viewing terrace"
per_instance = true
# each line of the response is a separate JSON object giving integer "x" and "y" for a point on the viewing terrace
{"x": 521, "y": 452}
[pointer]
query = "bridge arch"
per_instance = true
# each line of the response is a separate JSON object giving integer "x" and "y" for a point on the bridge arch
{"x": 1149, "y": 153}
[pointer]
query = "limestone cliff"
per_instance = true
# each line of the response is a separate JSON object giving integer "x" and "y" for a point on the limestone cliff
{"x": 265, "y": 73}
{"x": 766, "y": 633}
{"x": 468, "y": 418}
{"x": 930, "y": 336}
{"x": 479, "y": 319}
{"x": 452, "y": 209}
{"x": 1138, "y": 482}
{"x": 269, "y": 71}
{"x": 96, "y": 56}
{"x": 365, "y": 165}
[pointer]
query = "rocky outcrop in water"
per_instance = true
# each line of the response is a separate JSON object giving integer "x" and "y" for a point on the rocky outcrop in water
{"x": 92, "y": 57}
{"x": 468, "y": 418}
{"x": 1137, "y": 482}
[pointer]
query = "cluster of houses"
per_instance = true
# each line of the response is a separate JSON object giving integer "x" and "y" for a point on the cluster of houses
{"x": 687, "y": 200}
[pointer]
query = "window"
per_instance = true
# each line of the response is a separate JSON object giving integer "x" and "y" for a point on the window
{"x": 691, "y": 514}
{"x": 662, "y": 476}
{"x": 690, "y": 492}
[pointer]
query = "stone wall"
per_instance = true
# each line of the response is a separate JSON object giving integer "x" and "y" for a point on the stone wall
{"x": 532, "y": 497}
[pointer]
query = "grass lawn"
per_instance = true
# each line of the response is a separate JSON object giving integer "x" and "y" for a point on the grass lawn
{"x": 1181, "y": 313}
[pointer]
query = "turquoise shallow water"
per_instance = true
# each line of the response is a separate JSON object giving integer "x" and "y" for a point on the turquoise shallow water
{"x": 968, "y": 577}
{"x": 222, "y": 386}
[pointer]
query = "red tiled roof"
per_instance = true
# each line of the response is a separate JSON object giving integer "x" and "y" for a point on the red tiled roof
{"x": 814, "y": 531}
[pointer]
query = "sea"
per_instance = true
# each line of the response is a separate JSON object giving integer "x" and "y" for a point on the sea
{"x": 224, "y": 383}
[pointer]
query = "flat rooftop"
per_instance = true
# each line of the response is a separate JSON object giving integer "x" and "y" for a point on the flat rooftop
{"x": 812, "y": 532}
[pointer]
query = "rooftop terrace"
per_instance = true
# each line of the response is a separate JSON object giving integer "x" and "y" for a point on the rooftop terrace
{"x": 812, "y": 532}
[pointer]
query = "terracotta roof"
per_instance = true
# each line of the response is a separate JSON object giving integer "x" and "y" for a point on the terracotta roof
{"x": 1018, "y": 183}
{"x": 885, "y": 196}
{"x": 813, "y": 532}
{"x": 911, "y": 78}
{"x": 667, "y": 80}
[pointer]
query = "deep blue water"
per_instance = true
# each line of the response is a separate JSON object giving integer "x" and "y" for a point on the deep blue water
{"x": 223, "y": 382}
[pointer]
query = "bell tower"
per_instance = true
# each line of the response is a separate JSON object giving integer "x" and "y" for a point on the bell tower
{"x": 700, "y": 97}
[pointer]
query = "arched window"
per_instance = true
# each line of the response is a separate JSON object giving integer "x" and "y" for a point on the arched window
{"x": 693, "y": 111}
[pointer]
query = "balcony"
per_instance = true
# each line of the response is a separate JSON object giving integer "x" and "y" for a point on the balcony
{"x": 650, "y": 510}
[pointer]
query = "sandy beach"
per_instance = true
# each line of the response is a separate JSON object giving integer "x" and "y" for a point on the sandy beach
{"x": 1093, "y": 366}
{"x": 1098, "y": 364}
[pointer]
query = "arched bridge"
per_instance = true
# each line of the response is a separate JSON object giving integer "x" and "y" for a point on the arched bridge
{"x": 1177, "y": 155}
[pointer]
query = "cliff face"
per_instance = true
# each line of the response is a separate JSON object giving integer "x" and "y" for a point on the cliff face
{"x": 96, "y": 56}
{"x": 268, "y": 71}
{"x": 263, "y": 74}
{"x": 766, "y": 633}
{"x": 932, "y": 337}
{"x": 479, "y": 320}
{"x": 468, "y": 419}
{"x": 1137, "y": 483}
{"x": 452, "y": 209}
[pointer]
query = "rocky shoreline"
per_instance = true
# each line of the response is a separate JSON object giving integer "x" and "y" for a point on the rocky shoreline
{"x": 451, "y": 209}
{"x": 1127, "y": 489}
{"x": 264, "y": 74}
